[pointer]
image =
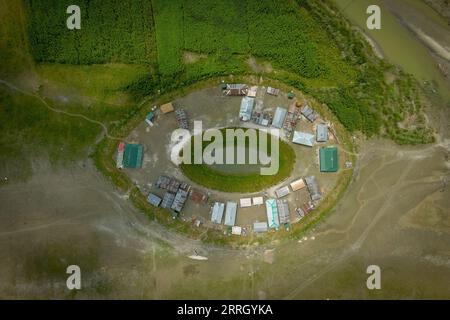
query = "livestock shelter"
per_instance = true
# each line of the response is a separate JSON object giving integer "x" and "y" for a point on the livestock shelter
{"x": 328, "y": 159}
{"x": 245, "y": 202}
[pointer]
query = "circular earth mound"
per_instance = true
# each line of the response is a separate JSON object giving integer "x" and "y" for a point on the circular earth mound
{"x": 244, "y": 178}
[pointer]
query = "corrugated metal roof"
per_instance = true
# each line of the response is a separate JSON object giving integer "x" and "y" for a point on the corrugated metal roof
{"x": 230, "y": 213}
{"x": 313, "y": 188}
{"x": 272, "y": 214}
{"x": 283, "y": 211}
{"x": 260, "y": 227}
{"x": 180, "y": 199}
{"x": 245, "y": 113}
{"x": 168, "y": 200}
{"x": 322, "y": 132}
{"x": 282, "y": 192}
{"x": 303, "y": 138}
{"x": 217, "y": 212}
{"x": 278, "y": 118}
{"x": 153, "y": 199}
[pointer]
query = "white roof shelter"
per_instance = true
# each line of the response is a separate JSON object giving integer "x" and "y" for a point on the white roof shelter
{"x": 257, "y": 201}
{"x": 245, "y": 202}
{"x": 260, "y": 227}
{"x": 236, "y": 230}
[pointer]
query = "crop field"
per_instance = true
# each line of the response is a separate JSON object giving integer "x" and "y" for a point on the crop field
{"x": 112, "y": 31}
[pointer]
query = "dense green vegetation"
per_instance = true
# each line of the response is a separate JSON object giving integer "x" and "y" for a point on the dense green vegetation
{"x": 112, "y": 31}
{"x": 212, "y": 178}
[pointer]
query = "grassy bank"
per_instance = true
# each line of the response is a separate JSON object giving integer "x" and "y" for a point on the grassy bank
{"x": 211, "y": 178}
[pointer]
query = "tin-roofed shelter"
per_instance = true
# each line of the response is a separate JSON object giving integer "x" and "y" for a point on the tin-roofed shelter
{"x": 257, "y": 201}
{"x": 166, "y": 108}
{"x": 230, "y": 213}
{"x": 259, "y": 227}
{"x": 245, "y": 202}
{"x": 236, "y": 89}
{"x": 309, "y": 113}
{"x": 167, "y": 200}
{"x": 298, "y": 184}
{"x": 282, "y": 192}
{"x": 245, "y": 113}
{"x": 154, "y": 200}
{"x": 328, "y": 159}
{"x": 133, "y": 154}
{"x": 272, "y": 214}
{"x": 278, "y": 118}
{"x": 313, "y": 188}
{"x": 179, "y": 200}
{"x": 303, "y": 138}
{"x": 273, "y": 91}
{"x": 217, "y": 212}
{"x": 322, "y": 132}
{"x": 283, "y": 211}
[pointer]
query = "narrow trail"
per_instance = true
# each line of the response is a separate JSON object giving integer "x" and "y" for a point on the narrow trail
{"x": 69, "y": 114}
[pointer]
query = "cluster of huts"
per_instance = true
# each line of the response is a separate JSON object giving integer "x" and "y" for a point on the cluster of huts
{"x": 287, "y": 119}
{"x": 175, "y": 196}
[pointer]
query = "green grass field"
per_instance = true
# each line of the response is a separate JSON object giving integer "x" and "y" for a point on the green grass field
{"x": 212, "y": 178}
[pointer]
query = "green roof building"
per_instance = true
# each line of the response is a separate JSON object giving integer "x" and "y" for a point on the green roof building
{"x": 133, "y": 155}
{"x": 328, "y": 159}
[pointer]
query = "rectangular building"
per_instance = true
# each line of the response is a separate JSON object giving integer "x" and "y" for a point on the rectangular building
{"x": 303, "y": 138}
{"x": 179, "y": 200}
{"x": 217, "y": 212}
{"x": 278, "y": 118}
{"x": 245, "y": 202}
{"x": 328, "y": 159}
{"x": 230, "y": 213}
{"x": 313, "y": 188}
{"x": 132, "y": 157}
{"x": 167, "y": 200}
{"x": 236, "y": 89}
{"x": 272, "y": 214}
{"x": 245, "y": 113}
{"x": 257, "y": 201}
{"x": 298, "y": 184}
{"x": 322, "y": 132}
{"x": 259, "y": 227}
{"x": 154, "y": 200}
{"x": 283, "y": 211}
{"x": 282, "y": 192}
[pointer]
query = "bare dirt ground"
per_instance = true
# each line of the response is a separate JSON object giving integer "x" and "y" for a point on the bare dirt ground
{"x": 395, "y": 215}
